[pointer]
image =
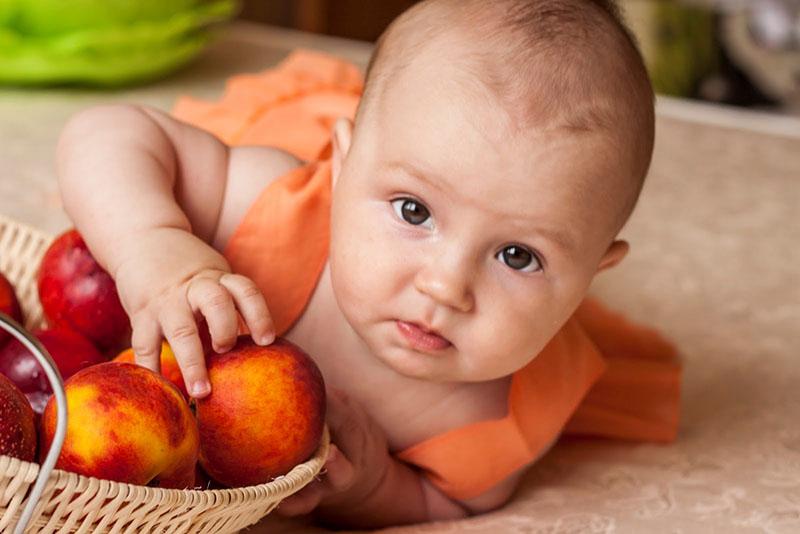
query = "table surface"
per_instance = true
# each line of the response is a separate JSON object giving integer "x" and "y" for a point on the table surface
{"x": 714, "y": 264}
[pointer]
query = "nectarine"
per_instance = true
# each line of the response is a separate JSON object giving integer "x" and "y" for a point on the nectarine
{"x": 70, "y": 351}
{"x": 74, "y": 289}
{"x": 169, "y": 365}
{"x": 9, "y": 304}
{"x": 17, "y": 430}
{"x": 265, "y": 413}
{"x": 125, "y": 423}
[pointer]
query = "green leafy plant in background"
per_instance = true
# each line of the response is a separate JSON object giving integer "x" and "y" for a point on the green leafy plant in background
{"x": 103, "y": 42}
{"x": 684, "y": 48}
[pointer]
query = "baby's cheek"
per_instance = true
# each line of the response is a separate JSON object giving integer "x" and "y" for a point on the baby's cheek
{"x": 507, "y": 340}
{"x": 370, "y": 265}
{"x": 356, "y": 276}
{"x": 371, "y": 276}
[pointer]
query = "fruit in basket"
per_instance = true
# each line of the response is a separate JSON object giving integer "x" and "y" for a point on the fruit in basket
{"x": 76, "y": 291}
{"x": 125, "y": 423}
{"x": 9, "y": 304}
{"x": 265, "y": 413}
{"x": 70, "y": 351}
{"x": 17, "y": 429}
{"x": 169, "y": 365}
{"x": 22, "y": 368}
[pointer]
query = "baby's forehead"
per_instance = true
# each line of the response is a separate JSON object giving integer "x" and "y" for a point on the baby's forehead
{"x": 448, "y": 87}
{"x": 458, "y": 148}
{"x": 565, "y": 64}
{"x": 566, "y": 89}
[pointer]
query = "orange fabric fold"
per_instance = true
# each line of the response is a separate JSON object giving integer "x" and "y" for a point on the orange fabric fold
{"x": 282, "y": 245}
{"x": 638, "y": 398}
{"x": 467, "y": 461}
{"x": 292, "y": 107}
{"x": 600, "y": 375}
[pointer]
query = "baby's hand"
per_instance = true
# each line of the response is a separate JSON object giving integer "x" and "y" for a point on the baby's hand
{"x": 356, "y": 463}
{"x": 166, "y": 279}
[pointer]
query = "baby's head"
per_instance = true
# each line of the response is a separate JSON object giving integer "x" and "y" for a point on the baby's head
{"x": 498, "y": 150}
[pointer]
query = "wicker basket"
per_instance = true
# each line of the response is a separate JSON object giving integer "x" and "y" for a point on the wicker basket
{"x": 74, "y": 503}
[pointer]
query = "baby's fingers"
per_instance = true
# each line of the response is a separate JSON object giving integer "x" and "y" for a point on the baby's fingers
{"x": 146, "y": 342}
{"x": 180, "y": 329}
{"x": 302, "y": 502}
{"x": 337, "y": 476}
{"x": 216, "y": 305}
{"x": 251, "y": 304}
{"x": 339, "y": 472}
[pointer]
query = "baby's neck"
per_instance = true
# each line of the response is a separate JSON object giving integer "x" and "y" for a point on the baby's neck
{"x": 409, "y": 410}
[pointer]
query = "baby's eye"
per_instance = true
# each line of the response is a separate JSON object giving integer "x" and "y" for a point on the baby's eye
{"x": 519, "y": 258}
{"x": 412, "y": 212}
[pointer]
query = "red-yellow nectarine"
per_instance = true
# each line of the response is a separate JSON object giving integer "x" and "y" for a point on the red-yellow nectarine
{"x": 265, "y": 413}
{"x": 125, "y": 423}
{"x": 169, "y": 365}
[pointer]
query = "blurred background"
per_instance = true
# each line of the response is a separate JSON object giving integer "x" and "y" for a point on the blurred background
{"x": 738, "y": 52}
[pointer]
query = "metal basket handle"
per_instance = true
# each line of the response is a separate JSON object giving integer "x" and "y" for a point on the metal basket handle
{"x": 54, "y": 377}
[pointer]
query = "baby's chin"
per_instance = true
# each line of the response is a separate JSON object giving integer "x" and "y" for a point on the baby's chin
{"x": 442, "y": 368}
{"x": 418, "y": 365}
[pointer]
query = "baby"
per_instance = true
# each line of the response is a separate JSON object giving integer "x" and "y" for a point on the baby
{"x": 497, "y": 151}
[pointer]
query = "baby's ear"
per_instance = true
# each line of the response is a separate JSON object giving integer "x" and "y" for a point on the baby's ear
{"x": 615, "y": 253}
{"x": 341, "y": 137}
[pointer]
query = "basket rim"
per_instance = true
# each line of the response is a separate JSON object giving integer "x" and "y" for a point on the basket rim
{"x": 38, "y": 232}
{"x": 299, "y": 474}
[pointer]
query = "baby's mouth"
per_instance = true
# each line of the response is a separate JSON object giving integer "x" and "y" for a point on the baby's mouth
{"x": 421, "y": 338}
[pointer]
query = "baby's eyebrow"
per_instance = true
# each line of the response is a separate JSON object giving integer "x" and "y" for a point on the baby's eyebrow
{"x": 415, "y": 172}
{"x": 564, "y": 241}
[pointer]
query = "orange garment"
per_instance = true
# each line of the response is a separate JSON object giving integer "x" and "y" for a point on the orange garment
{"x": 600, "y": 375}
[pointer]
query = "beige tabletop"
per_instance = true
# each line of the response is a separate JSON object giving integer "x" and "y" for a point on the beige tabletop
{"x": 31, "y": 119}
{"x": 715, "y": 264}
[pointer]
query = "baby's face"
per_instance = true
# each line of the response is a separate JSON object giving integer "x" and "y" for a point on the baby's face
{"x": 458, "y": 248}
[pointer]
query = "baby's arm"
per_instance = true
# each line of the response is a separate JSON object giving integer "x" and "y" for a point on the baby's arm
{"x": 365, "y": 487}
{"x": 405, "y": 496}
{"x": 147, "y": 192}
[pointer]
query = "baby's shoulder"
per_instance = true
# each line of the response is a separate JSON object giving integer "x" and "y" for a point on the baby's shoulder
{"x": 250, "y": 170}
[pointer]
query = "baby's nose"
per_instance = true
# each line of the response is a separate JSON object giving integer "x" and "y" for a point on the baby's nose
{"x": 447, "y": 285}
